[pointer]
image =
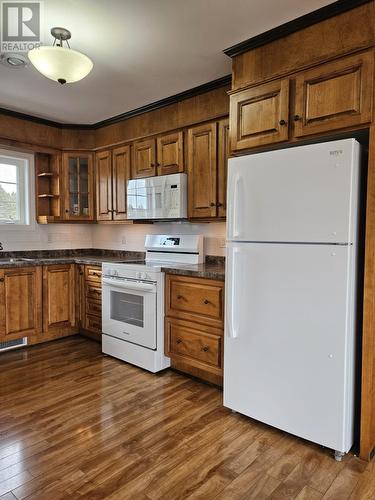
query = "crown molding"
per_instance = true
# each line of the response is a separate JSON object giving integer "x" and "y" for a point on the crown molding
{"x": 317, "y": 16}
{"x": 200, "y": 89}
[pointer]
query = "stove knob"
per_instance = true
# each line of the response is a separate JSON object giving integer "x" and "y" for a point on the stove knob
{"x": 115, "y": 273}
{"x": 143, "y": 276}
{"x": 138, "y": 276}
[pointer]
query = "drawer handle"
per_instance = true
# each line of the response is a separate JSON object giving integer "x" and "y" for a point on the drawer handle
{"x": 2, "y": 280}
{"x": 282, "y": 122}
{"x": 206, "y": 301}
{"x": 180, "y": 297}
{"x": 205, "y": 348}
{"x": 297, "y": 118}
{"x": 96, "y": 274}
{"x": 178, "y": 341}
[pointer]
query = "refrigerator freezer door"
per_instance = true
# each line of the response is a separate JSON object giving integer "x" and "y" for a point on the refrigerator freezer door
{"x": 289, "y": 341}
{"x": 301, "y": 194}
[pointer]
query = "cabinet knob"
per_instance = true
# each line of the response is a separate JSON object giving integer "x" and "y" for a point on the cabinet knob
{"x": 178, "y": 341}
{"x": 297, "y": 118}
{"x": 180, "y": 297}
{"x": 212, "y": 204}
{"x": 282, "y": 122}
{"x": 206, "y": 301}
{"x": 205, "y": 348}
{"x": 1, "y": 280}
{"x": 66, "y": 211}
{"x": 219, "y": 205}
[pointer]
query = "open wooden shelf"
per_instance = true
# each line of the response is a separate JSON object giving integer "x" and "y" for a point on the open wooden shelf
{"x": 47, "y": 187}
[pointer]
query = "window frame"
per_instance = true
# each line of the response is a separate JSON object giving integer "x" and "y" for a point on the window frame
{"x": 25, "y": 180}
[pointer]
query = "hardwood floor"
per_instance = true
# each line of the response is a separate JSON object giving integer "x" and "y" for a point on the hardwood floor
{"x": 76, "y": 424}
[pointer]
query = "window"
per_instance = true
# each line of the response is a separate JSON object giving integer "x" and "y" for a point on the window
{"x": 15, "y": 188}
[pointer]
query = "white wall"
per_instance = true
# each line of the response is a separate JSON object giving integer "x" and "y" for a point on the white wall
{"x": 46, "y": 237}
{"x": 132, "y": 237}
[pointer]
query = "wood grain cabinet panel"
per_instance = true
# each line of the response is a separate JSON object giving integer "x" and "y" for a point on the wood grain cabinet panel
{"x": 20, "y": 302}
{"x": 58, "y": 297}
{"x": 223, "y": 155}
{"x": 170, "y": 153}
{"x": 187, "y": 340}
{"x": 121, "y": 164}
{"x": 334, "y": 95}
{"x": 103, "y": 185}
{"x": 202, "y": 171}
{"x": 259, "y": 115}
{"x": 144, "y": 158}
{"x": 195, "y": 299}
{"x": 92, "y": 310}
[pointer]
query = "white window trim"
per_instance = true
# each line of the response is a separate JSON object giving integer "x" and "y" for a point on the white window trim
{"x": 29, "y": 193}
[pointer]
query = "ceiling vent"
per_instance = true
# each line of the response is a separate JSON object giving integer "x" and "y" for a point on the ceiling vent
{"x": 14, "y": 60}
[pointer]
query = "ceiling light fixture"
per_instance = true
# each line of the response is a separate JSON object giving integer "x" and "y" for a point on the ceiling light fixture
{"x": 61, "y": 64}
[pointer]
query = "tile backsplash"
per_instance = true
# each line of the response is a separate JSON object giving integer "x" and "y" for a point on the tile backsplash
{"x": 113, "y": 237}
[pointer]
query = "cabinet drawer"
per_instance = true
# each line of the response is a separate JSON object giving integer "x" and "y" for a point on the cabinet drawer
{"x": 93, "y": 323}
{"x": 195, "y": 299}
{"x": 94, "y": 307}
{"x": 93, "y": 292}
{"x": 186, "y": 340}
{"x": 93, "y": 274}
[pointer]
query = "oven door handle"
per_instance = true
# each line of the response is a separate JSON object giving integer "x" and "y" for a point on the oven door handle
{"x": 144, "y": 287}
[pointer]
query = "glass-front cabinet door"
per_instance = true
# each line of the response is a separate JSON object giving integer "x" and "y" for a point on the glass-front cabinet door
{"x": 78, "y": 186}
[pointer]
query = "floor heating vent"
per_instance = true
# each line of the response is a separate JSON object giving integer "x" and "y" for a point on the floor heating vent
{"x": 12, "y": 344}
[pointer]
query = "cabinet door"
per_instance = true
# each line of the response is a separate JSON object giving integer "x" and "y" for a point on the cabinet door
{"x": 78, "y": 186}
{"x": 121, "y": 175}
{"x": 202, "y": 169}
{"x": 259, "y": 115}
{"x": 334, "y": 95}
{"x": 103, "y": 185}
{"x": 170, "y": 153}
{"x": 20, "y": 302}
{"x": 58, "y": 297}
{"x": 144, "y": 158}
{"x": 223, "y": 152}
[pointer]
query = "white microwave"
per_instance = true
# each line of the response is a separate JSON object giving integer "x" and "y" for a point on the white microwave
{"x": 161, "y": 197}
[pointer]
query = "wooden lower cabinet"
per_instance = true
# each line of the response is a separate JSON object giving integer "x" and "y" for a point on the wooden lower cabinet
{"x": 194, "y": 326}
{"x": 91, "y": 301}
{"x": 20, "y": 302}
{"x": 58, "y": 297}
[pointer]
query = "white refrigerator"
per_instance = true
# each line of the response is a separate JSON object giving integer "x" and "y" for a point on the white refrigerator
{"x": 290, "y": 333}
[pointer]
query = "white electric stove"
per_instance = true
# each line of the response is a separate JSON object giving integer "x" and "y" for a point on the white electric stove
{"x": 133, "y": 300}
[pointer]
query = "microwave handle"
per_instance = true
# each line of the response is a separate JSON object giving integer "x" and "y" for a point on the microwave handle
{"x": 128, "y": 285}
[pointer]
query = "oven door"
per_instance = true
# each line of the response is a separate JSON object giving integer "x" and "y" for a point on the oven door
{"x": 129, "y": 310}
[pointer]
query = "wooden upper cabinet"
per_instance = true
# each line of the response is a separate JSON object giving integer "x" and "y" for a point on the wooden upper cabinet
{"x": 58, "y": 297}
{"x": 202, "y": 171}
{"x": 259, "y": 115}
{"x": 20, "y": 302}
{"x": 223, "y": 155}
{"x": 334, "y": 95}
{"x": 103, "y": 185}
{"x": 144, "y": 158}
{"x": 120, "y": 175}
{"x": 78, "y": 176}
{"x": 170, "y": 153}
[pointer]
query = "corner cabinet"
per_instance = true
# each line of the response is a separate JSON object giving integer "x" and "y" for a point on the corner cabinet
{"x": 20, "y": 302}
{"x": 58, "y": 297}
{"x": 207, "y": 169}
{"x": 78, "y": 182}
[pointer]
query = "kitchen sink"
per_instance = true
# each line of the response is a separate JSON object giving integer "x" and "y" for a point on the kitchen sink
{"x": 11, "y": 260}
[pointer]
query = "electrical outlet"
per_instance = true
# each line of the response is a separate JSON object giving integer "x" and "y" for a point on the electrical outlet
{"x": 222, "y": 243}
{"x": 123, "y": 240}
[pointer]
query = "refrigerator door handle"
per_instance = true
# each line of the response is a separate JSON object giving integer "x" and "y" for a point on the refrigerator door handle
{"x": 236, "y": 211}
{"x": 231, "y": 295}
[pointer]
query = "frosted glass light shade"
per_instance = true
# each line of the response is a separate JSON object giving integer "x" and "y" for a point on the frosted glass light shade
{"x": 60, "y": 64}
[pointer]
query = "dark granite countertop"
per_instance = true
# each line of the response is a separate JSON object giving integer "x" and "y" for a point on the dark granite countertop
{"x": 213, "y": 268}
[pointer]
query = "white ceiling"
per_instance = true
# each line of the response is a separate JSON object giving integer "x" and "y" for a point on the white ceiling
{"x": 143, "y": 51}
